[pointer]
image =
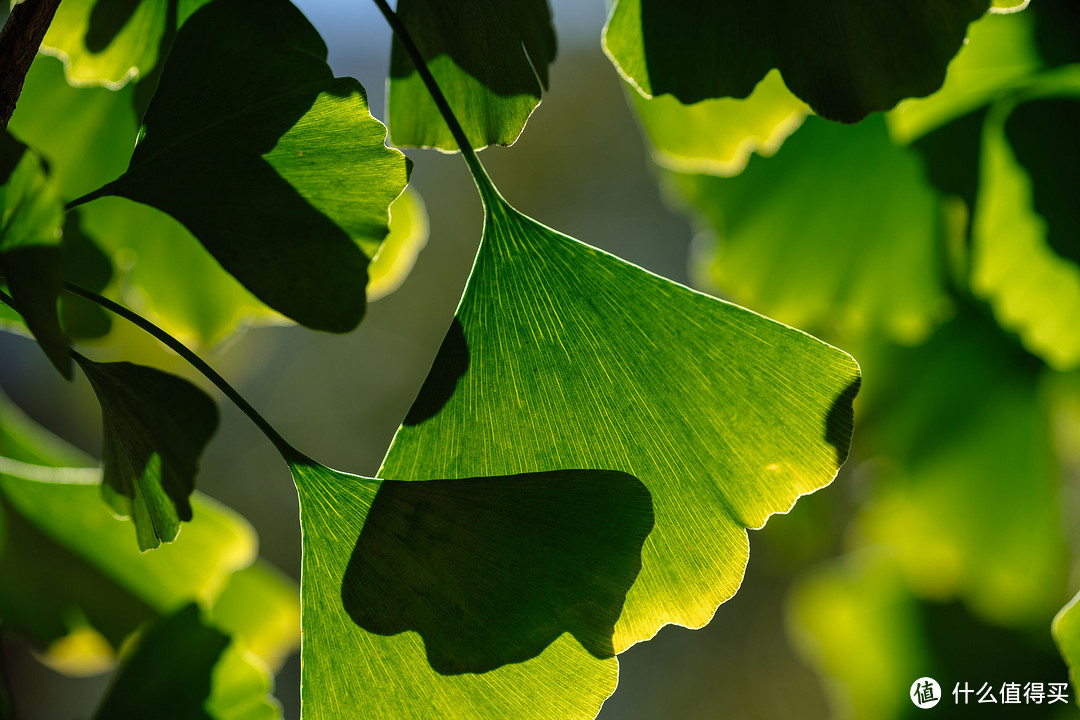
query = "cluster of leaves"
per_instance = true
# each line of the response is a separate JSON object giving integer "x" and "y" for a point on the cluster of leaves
{"x": 592, "y": 443}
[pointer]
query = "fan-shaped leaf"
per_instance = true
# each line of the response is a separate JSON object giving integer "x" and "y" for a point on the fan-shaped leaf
{"x": 564, "y": 357}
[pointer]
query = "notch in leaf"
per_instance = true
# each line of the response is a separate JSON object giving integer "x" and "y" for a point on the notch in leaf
{"x": 846, "y": 58}
{"x": 31, "y": 260}
{"x": 156, "y": 426}
{"x": 275, "y": 165}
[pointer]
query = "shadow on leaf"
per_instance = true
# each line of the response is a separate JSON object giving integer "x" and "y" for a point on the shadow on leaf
{"x": 449, "y": 367}
{"x": 840, "y": 421}
{"x": 490, "y": 571}
{"x": 107, "y": 19}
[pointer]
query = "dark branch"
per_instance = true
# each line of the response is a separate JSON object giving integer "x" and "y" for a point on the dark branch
{"x": 19, "y": 43}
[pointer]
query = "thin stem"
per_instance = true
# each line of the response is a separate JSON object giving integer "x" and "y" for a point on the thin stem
{"x": 19, "y": 41}
{"x": 288, "y": 452}
{"x": 480, "y": 176}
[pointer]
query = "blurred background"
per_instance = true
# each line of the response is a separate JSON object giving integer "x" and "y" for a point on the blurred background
{"x": 944, "y": 548}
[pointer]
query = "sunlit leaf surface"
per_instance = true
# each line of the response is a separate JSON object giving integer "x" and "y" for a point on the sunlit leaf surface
{"x": 845, "y": 62}
{"x": 718, "y": 136}
{"x": 276, "y": 166}
{"x": 840, "y": 231}
{"x": 397, "y": 254}
{"x": 579, "y": 407}
{"x": 110, "y": 42}
{"x": 489, "y": 58}
{"x": 156, "y": 426}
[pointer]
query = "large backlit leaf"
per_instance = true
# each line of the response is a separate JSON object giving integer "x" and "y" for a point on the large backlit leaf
{"x": 511, "y": 584}
{"x": 718, "y": 136}
{"x": 31, "y": 260}
{"x": 156, "y": 426}
{"x": 1033, "y": 289}
{"x": 846, "y": 61}
{"x": 839, "y": 231}
{"x": 967, "y": 487}
{"x": 109, "y": 42}
{"x": 275, "y": 165}
{"x": 185, "y": 669}
{"x": 565, "y": 363}
{"x": 489, "y": 58}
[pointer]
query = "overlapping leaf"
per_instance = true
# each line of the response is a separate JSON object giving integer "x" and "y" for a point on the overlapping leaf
{"x": 276, "y": 166}
{"x": 1034, "y": 290}
{"x": 110, "y": 42}
{"x": 1066, "y": 631}
{"x": 839, "y": 231}
{"x": 31, "y": 260}
{"x": 845, "y": 62}
{"x": 489, "y": 58}
{"x": 185, "y": 669}
{"x": 512, "y": 586}
{"x": 564, "y": 445}
{"x": 718, "y": 136}
{"x": 156, "y": 426}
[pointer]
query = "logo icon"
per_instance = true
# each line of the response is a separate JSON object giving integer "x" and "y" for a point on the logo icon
{"x": 925, "y": 692}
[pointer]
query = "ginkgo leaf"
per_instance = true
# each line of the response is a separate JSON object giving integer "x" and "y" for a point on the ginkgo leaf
{"x": 185, "y": 669}
{"x": 1033, "y": 289}
{"x": 562, "y": 357}
{"x": 839, "y": 231}
{"x": 718, "y": 136}
{"x": 31, "y": 260}
{"x": 512, "y": 586}
{"x": 275, "y": 166}
{"x": 156, "y": 426}
{"x": 489, "y": 58}
{"x": 110, "y": 42}
{"x": 407, "y": 237}
{"x": 846, "y": 62}
{"x": 999, "y": 57}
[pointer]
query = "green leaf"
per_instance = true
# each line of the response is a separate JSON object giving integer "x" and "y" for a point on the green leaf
{"x": 845, "y": 63}
{"x": 1066, "y": 631}
{"x": 156, "y": 426}
{"x": 839, "y": 231}
{"x": 724, "y": 416}
{"x": 489, "y": 58}
{"x": 397, "y": 255}
{"x": 512, "y": 584}
{"x": 184, "y": 669}
{"x": 31, "y": 231}
{"x": 718, "y": 136}
{"x": 260, "y": 606}
{"x": 967, "y": 494}
{"x": 110, "y": 42}
{"x": 1033, "y": 289}
{"x": 276, "y": 166}
{"x": 999, "y": 58}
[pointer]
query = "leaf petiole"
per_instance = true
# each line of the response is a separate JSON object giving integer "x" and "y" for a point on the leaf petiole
{"x": 288, "y": 452}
